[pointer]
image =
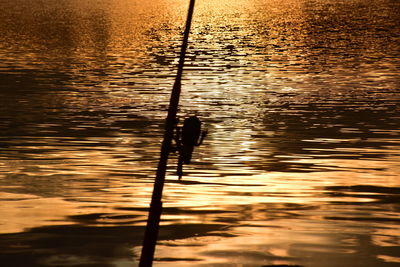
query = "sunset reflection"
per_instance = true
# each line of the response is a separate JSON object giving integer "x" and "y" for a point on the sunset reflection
{"x": 300, "y": 165}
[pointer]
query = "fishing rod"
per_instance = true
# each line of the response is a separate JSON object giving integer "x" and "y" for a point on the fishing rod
{"x": 153, "y": 221}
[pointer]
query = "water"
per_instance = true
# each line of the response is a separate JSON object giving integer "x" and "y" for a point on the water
{"x": 301, "y": 100}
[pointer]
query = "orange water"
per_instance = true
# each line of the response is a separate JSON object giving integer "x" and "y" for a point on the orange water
{"x": 301, "y": 165}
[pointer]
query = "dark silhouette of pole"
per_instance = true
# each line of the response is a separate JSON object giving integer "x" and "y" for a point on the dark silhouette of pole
{"x": 153, "y": 221}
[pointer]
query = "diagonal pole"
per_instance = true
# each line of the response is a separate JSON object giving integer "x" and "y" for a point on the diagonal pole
{"x": 153, "y": 221}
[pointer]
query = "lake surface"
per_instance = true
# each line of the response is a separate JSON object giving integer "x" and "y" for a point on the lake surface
{"x": 301, "y": 99}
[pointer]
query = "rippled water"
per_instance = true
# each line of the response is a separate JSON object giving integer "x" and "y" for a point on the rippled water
{"x": 301, "y": 99}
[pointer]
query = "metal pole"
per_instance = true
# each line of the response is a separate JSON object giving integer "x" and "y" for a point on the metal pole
{"x": 153, "y": 221}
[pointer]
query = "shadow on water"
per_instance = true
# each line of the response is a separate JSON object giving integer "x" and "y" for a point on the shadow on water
{"x": 86, "y": 245}
{"x": 113, "y": 238}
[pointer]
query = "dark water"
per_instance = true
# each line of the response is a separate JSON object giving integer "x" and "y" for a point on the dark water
{"x": 301, "y": 99}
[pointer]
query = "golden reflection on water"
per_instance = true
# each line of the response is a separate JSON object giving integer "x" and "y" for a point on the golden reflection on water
{"x": 300, "y": 97}
{"x": 32, "y": 211}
